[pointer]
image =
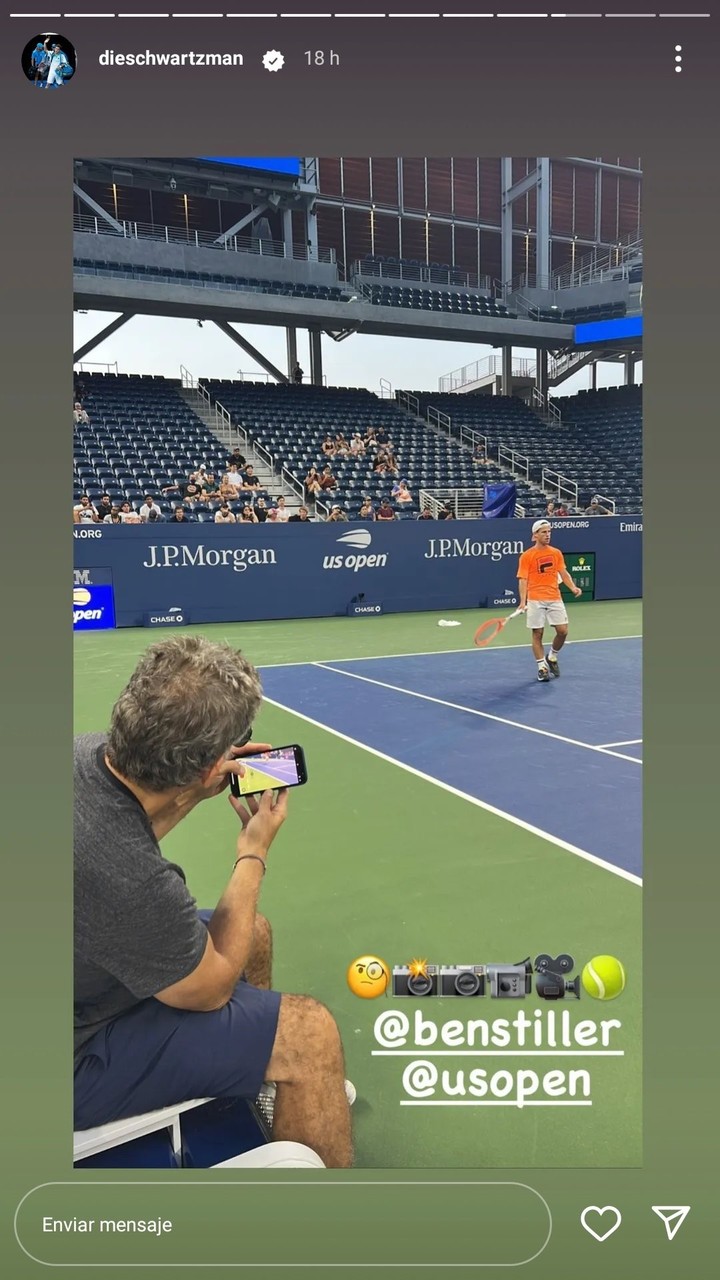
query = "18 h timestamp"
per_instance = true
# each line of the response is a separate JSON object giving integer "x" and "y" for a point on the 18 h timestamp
{"x": 322, "y": 58}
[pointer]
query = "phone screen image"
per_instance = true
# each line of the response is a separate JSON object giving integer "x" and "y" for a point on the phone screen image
{"x": 271, "y": 770}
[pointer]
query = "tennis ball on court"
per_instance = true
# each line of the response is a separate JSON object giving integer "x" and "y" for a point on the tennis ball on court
{"x": 603, "y": 977}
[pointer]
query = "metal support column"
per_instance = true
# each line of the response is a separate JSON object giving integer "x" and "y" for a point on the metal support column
{"x": 316, "y": 370}
{"x": 593, "y": 375}
{"x": 506, "y": 223}
{"x": 542, "y": 242}
{"x": 541, "y": 371}
{"x": 287, "y": 226}
{"x": 101, "y": 336}
{"x": 264, "y": 363}
{"x": 506, "y": 387}
{"x": 315, "y": 357}
{"x": 629, "y": 363}
{"x": 291, "y": 343}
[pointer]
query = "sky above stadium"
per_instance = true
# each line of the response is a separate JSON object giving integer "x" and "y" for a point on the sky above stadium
{"x": 150, "y": 344}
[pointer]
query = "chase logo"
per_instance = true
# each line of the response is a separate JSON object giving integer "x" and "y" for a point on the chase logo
{"x": 359, "y": 538}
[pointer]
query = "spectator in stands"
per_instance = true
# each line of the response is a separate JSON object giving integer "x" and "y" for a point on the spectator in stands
{"x": 328, "y": 481}
{"x": 155, "y": 515}
{"x": 80, "y": 417}
{"x": 479, "y": 457}
{"x": 367, "y": 511}
{"x": 204, "y": 479}
{"x": 357, "y": 446}
{"x": 550, "y": 508}
{"x": 370, "y": 438}
{"x": 382, "y": 436}
{"x": 171, "y": 1004}
{"x": 401, "y": 493}
{"x": 84, "y": 512}
{"x": 328, "y": 446}
{"x": 561, "y": 510}
{"x": 595, "y": 509}
{"x": 391, "y": 466}
{"x": 248, "y": 516}
{"x": 312, "y": 483}
{"x": 297, "y": 374}
{"x": 232, "y": 482}
{"x": 148, "y": 506}
{"x": 179, "y": 516}
{"x": 104, "y": 506}
{"x": 337, "y": 515}
{"x": 192, "y": 492}
{"x": 236, "y": 459}
{"x": 425, "y": 514}
{"x": 342, "y": 448}
{"x": 260, "y": 511}
{"x": 380, "y": 464}
{"x": 224, "y": 515}
{"x": 114, "y": 517}
{"x": 447, "y": 513}
{"x": 301, "y": 517}
{"x": 129, "y": 516}
{"x": 249, "y": 479}
{"x": 282, "y": 514}
{"x": 385, "y": 511}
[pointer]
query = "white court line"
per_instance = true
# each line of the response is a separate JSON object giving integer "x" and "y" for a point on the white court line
{"x": 471, "y": 711}
{"x": 462, "y": 795}
{"x": 629, "y": 742}
{"x": 430, "y": 653}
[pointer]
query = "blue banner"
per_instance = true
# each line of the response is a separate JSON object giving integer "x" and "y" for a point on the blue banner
{"x": 244, "y": 573}
{"x": 93, "y": 603}
{"x": 499, "y": 501}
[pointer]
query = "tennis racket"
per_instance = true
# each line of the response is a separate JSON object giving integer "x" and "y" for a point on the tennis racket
{"x": 489, "y": 630}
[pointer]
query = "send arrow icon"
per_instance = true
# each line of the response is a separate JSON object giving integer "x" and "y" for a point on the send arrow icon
{"x": 673, "y": 1216}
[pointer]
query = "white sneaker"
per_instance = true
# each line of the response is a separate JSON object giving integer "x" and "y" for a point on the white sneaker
{"x": 265, "y": 1101}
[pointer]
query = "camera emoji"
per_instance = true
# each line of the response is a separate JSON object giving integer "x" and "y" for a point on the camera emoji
{"x": 462, "y": 980}
{"x": 415, "y": 980}
{"x": 510, "y": 981}
{"x": 551, "y": 982}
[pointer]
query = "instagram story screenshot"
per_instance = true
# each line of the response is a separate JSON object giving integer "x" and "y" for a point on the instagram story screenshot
{"x": 360, "y": 895}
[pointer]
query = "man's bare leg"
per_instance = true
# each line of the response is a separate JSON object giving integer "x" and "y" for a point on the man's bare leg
{"x": 561, "y": 631}
{"x": 537, "y": 643}
{"x": 259, "y": 966}
{"x": 308, "y": 1067}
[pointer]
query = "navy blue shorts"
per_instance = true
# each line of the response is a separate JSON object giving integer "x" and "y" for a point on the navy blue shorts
{"x": 155, "y": 1056}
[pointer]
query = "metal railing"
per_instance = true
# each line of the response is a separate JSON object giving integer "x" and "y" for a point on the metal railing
{"x": 465, "y": 504}
{"x": 130, "y": 230}
{"x": 406, "y": 400}
{"x": 556, "y": 485}
{"x": 441, "y": 421}
{"x": 386, "y": 391}
{"x": 514, "y": 461}
{"x": 601, "y": 265}
{"x": 421, "y": 273}
{"x": 544, "y": 405}
{"x": 489, "y": 366}
{"x": 609, "y": 503}
{"x": 90, "y": 364}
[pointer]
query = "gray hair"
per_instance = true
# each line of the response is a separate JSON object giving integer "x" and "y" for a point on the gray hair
{"x": 187, "y": 701}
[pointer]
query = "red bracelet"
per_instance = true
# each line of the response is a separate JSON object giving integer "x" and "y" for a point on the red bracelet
{"x": 256, "y": 858}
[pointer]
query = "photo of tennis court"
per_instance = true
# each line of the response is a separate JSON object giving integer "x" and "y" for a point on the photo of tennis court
{"x": 278, "y": 770}
{"x": 457, "y": 811}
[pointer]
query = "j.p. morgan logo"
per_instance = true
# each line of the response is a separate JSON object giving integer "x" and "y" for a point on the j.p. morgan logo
{"x": 449, "y": 548}
{"x": 361, "y": 539}
{"x": 201, "y": 557}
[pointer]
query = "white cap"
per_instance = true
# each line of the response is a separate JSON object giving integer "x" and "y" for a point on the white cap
{"x": 541, "y": 524}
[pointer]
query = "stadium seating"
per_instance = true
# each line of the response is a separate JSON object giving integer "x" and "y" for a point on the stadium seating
{"x": 209, "y": 280}
{"x": 580, "y": 315}
{"x": 428, "y": 298}
{"x": 599, "y": 445}
{"x": 142, "y": 438}
{"x": 292, "y": 422}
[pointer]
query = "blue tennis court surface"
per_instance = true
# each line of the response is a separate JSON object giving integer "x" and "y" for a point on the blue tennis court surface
{"x": 563, "y": 758}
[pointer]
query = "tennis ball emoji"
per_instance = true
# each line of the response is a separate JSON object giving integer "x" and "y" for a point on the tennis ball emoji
{"x": 603, "y": 977}
{"x": 368, "y": 977}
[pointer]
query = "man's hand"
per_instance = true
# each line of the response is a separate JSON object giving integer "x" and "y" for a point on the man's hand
{"x": 577, "y": 591}
{"x": 219, "y": 779}
{"x": 261, "y": 820}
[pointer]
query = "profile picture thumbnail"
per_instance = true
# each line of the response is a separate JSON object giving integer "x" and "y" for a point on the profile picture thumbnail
{"x": 49, "y": 61}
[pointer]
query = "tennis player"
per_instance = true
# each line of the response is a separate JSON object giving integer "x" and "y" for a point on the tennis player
{"x": 540, "y": 571}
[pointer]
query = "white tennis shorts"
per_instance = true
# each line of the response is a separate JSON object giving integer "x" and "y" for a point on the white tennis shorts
{"x": 545, "y": 613}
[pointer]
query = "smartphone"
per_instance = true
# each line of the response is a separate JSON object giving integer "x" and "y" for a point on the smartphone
{"x": 270, "y": 770}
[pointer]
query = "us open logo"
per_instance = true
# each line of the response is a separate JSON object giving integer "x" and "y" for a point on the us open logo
{"x": 361, "y": 539}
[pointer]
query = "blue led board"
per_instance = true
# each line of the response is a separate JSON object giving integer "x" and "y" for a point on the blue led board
{"x": 288, "y": 165}
{"x": 608, "y": 330}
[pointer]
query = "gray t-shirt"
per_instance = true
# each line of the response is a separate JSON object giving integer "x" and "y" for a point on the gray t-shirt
{"x": 136, "y": 924}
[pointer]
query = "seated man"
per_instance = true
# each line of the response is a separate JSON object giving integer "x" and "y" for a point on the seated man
{"x": 249, "y": 479}
{"x": 224, "y": 515}
{"x": 171, "y": 1004}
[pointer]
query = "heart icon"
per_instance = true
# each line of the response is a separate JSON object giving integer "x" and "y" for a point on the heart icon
{"x": 611, "y": 1215}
